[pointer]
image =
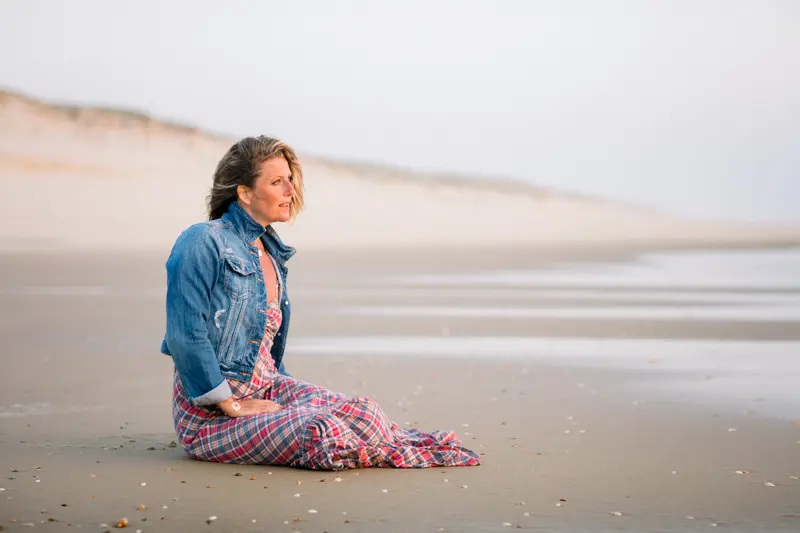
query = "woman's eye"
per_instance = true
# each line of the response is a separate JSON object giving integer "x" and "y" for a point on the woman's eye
{"x": 276, "y": 182}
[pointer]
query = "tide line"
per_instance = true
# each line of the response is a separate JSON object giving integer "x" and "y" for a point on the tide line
{"x": 755, "y": 313}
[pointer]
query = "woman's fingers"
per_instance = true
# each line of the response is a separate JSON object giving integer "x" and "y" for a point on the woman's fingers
{"x": 254, "y": 407}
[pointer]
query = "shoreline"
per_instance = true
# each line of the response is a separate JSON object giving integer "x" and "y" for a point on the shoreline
{"x": 430, "y": 255}
{"x": 616, "y": 248}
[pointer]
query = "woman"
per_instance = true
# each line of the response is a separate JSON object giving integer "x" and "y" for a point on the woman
{"x": 227, "y": 322}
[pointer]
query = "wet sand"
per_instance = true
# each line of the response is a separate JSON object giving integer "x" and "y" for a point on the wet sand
{"x": 568, "y": 444}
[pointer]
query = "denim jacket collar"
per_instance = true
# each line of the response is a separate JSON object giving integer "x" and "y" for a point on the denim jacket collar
{"x": 249, "y": 230}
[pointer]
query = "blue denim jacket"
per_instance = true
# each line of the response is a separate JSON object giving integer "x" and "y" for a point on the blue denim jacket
{"x": 217, "y": 301}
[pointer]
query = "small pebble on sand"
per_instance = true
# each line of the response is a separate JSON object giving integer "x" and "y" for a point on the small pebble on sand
{"x": 769, "y": 484}
{"x": 689, "y": 517}
{"x": 211, "y": 519}
{"x": 297, "y": 495}
{"x": 526, "y": 513}
{"x": 142, "y": 484}
{"x": 616, "y": 513}
{"x": 507, "y": 524}
{"x": 312, "y": 511}
{"x": 674, "y": 472}
{"x": 337, "y": 479}
{"x": 464, "y": 487}
{"x": 385, "y": 490}
{"x": 794, "y": 477}
{"x": 731, "y": 430}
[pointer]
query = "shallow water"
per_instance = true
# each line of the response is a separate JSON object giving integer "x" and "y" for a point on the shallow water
{"x": 754, "y": 286}
{"x": 779, "y": 312}
{"x": 734, "y": 270}
{"x": 729, "y": 286}
{"x": 742, "y": 374}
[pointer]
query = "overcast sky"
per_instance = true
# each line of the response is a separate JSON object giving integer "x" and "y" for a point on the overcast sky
{"x": 691, "y": 106}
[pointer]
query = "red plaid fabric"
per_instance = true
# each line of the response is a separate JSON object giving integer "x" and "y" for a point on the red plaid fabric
{"x": 316, "y": 429}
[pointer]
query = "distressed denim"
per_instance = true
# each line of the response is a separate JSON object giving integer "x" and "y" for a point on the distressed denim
{"x": 216, "y": 303}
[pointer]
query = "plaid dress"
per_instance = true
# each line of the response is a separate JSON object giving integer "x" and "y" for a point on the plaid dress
{"x": 316, "y": 429}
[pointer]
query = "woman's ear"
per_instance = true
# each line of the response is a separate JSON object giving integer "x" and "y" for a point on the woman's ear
{"x": 245, "y": 194}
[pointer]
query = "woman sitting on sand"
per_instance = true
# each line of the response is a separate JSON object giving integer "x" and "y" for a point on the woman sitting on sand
{"x": 227, "y": 323}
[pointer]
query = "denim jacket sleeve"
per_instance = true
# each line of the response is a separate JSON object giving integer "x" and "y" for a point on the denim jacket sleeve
{"x": 192, "y": 269}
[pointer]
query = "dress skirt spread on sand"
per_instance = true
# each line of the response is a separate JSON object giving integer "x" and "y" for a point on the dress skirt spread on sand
{"x": 316, "y": 429}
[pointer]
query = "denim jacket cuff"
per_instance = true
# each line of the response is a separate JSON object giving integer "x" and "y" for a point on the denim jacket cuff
{"x": 219, "y": 393}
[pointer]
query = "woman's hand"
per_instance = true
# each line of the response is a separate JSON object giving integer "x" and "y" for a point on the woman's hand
{"x": 236, "y": 408}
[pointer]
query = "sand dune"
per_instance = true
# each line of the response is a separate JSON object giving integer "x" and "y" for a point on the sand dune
{"x": 93, "y": 178}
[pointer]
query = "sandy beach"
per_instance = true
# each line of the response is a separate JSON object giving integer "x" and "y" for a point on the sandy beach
{"x": 618, "y": 370}
{"x": 566, "y": 445}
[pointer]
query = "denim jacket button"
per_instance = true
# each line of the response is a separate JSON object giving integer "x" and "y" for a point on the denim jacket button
{"x": 286, "y": 302}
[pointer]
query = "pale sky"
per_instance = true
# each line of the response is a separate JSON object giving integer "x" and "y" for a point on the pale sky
{"x": 691, "y": 106}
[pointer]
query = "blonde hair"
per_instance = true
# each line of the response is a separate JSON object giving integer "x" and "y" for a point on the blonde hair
{"x": 241, "y": 165}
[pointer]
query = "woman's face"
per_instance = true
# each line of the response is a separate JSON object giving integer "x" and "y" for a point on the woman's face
{"x": 269, "y": 199}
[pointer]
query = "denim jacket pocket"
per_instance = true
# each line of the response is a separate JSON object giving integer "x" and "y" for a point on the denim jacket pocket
{"x": 227, "y": 342}
{"x": 239, "y": 278}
